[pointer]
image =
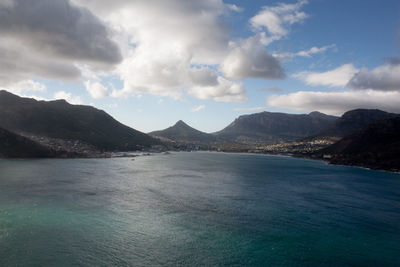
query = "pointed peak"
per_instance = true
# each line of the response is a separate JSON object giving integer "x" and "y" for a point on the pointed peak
{"x": 180, "y": 123}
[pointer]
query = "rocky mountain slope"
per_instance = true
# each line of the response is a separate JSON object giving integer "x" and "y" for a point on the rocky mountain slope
{"x": 376, "y": 146}
{"x": 270, "y": 128}
{"x": 181, "y": 132}
{"x": 59, "y": 119}
{"x": 352, "y": 120}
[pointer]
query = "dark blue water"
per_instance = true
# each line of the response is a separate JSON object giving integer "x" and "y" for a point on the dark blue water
{"x": 197, "y": 209}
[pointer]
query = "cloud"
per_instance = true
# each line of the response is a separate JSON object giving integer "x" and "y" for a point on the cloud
{"x": 383, "y": 78}
{"x": 18, "y": 62}
{"x": 314, "y": 50}
{"x": 234, "y": 7}
{"x": 6, "y": 3}
{"x": 76, "y": 100}
{"x": 337, "y": 77}
{"x": 337, "y": 102}
{"x": 249, "y": 58}
{"x": 59, "y": 29}
{"x": 96, "y": 89}
{"x": 24, "y": 86}
{"x": 378, "y": 88}
{"x": 277, "y": 20}
{"x": 165, "y": 48}
{"x": 393, "y": 60}
{"x": 175, "y": 47}
{"x": 225, "y": 91}
{"x": 165, "y": 40}
{"x": 250, "y": 109}
{"x": 198, "y": 108}
{"x": 47, "y": 38}
{"x": 304, "y": 53}
{"x": 203, "y": 76}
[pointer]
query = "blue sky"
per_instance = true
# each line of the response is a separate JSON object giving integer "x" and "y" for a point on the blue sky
{"x": 150, "y": 64}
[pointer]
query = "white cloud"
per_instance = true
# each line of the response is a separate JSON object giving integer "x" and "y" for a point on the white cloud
{"x": 173, "y": 47}
{"x": 164, "y": 40}
{"x": 198, "y": 108}
{"x": 165, "y": 48}
{"x": 315, "y": 50}
{"x": 337, "y": 102}
{"x": 96, "y": 89}
{"x": 24, "y": 86}
{"x": 277, "y": 20}
{"x": 249, "y": 58}
{"x": 68, "y": 97}
{"x": 304, "y": 53}
{"x": 337, "y": 77}
{"x": 250, "y": 109}
{"x": 225, "y": 91}
{"x": 384, "y": 78}
{"x": 234, "y": 8}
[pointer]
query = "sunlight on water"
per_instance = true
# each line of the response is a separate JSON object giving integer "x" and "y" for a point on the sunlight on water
{"x": 196, "y": 209}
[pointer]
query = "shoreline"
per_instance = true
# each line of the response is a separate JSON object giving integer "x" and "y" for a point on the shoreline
{"x": 134, "y": 154}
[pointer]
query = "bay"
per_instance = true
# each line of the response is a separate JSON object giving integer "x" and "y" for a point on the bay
{"x": 197, "y": 209}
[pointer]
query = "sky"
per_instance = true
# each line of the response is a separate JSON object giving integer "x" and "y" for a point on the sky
{"x": 151, "y": 63}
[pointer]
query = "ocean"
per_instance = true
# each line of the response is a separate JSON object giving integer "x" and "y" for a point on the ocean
{"x": 197, "y": 209}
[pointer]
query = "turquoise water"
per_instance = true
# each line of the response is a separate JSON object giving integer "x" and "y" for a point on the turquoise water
{"x": 197, "y": 209}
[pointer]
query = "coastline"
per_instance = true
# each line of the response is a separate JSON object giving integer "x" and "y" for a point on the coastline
{"x": 134, "y": 154}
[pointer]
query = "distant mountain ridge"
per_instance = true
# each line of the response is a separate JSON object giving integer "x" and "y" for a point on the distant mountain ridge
{"x": 59, "y": 119}
{"x": 376, "y": 146}
{"x": 270, "y": 127}
{"x": 181, "y": 132}
{"x": 31, "y": 128}
{"x": 352, "y": 120}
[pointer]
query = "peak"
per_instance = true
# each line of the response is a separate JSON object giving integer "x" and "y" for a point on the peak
{"x": 364, "y": 111}
{"x": 6, "y": 93}
{"x": 180, "y": 123}
{"x": 315, "y": 113}
{"x": 8, "y": 98}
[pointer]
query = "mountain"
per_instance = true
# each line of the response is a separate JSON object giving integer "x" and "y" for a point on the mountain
{"x": 269, "y": 127}
{"x": 376, "y": 146}
{"x": 353, "y": 120}
{"x": 59, "y": 119}
{"x": 16, "y": 146}
{"x": 181, "y": 132}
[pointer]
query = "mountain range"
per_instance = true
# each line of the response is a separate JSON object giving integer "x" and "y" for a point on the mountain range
{"x": 31, "y": 128}
{"x": 351, "y": 121}
{"x": 270, "y": 127}
{"x": 259, "y": 128}
{"x": 376, "y": 145}
{"x": 61, "y": 120}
